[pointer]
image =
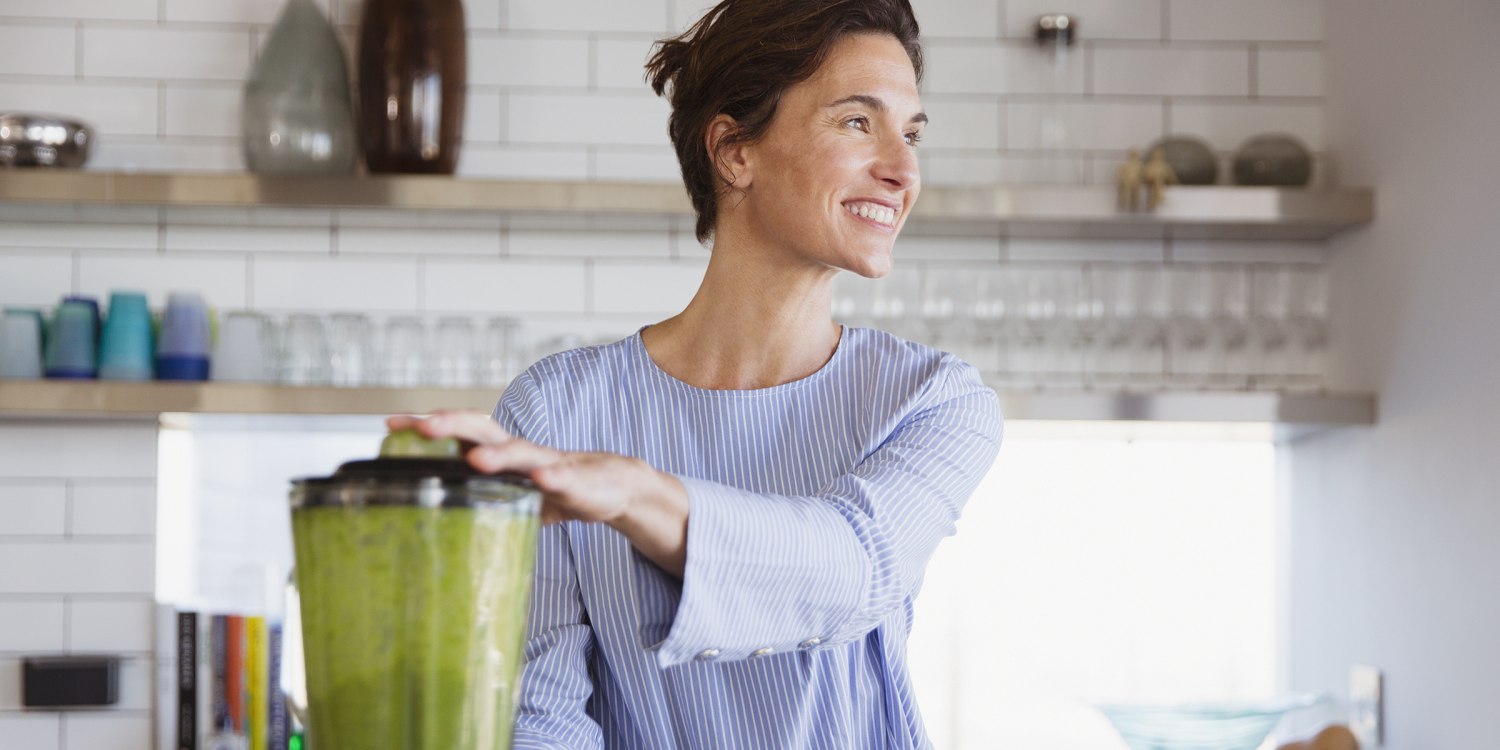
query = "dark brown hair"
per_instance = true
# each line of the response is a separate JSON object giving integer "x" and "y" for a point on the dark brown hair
{"x": 740, "y": 58}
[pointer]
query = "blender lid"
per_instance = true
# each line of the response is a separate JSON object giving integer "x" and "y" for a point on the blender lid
{"x": 408, "y": 469}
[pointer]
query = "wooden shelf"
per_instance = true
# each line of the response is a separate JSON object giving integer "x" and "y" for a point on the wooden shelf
{"x": 1018, "y": 211}
{"x": 47, "y": 399}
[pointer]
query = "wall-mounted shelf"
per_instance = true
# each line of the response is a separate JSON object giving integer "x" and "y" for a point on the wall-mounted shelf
{"x": 1019, "y": 211}
{"x": 32, "y": 399}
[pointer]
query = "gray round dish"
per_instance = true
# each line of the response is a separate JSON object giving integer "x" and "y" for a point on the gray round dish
{"x": 39, "y": 140}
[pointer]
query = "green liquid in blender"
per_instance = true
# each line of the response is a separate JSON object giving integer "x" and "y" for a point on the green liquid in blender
{"x": 413, "y": 623}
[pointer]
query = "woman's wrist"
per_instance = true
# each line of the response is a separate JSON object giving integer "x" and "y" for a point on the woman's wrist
{"x": 656, "y": 517}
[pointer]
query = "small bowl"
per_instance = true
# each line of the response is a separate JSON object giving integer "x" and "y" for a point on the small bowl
{"x": 1202, "y": 726}
{"x": 38, "y": 140}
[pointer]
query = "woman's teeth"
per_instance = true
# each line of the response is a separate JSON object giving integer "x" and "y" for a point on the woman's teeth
{"x": 875, "y": 213}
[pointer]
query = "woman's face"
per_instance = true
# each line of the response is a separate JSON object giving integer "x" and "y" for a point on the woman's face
{"x": 835, "y": 176}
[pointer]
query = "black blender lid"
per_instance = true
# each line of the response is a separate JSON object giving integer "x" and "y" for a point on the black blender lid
{"x": 404, "y": 468}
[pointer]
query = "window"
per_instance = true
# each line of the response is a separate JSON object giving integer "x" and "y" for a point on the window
{"x": 1100, "y": 563}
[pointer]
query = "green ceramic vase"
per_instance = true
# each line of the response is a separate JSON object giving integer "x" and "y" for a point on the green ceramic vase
{"x": 297, "y": 115}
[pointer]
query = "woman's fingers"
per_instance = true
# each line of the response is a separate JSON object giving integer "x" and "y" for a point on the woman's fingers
{"x": 520, "y": 456}
{"x": 468, "y": 426}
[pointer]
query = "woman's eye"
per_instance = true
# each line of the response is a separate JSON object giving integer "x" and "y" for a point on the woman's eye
{"x": 860, "y": 123}
{"x": 913, "y": 138}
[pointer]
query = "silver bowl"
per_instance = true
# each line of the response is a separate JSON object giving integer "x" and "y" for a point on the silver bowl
{"x": 37, "y": 140}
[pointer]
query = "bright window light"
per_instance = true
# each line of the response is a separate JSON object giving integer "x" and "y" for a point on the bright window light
{"x": 1100, "y": 563}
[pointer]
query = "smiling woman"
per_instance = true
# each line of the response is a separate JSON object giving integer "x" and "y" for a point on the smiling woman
{"x": 745, "y": 496}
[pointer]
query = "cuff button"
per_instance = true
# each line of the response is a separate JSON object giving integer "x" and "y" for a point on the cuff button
{"x": 767, "y": 651}
{"x": 708, "y": 654}
{"x": 810, "y": 643}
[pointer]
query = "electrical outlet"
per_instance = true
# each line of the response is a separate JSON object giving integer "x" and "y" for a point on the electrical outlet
{"x": 1366, "y": 706}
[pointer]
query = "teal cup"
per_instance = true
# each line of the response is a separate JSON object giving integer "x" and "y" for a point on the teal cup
{"x": 73, "y": 341}
{"x": 125, "y": 347}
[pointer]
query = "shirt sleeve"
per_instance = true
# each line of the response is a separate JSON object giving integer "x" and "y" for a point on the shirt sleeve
{"x": 769, "y": 573}
{"x": 555, "y": 683}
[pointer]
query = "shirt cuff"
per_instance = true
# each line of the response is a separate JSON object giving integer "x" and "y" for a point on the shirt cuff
{"x": 764, "y": 574}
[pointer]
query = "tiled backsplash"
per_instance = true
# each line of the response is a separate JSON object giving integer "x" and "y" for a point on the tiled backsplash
{"x": 556, "y": 93}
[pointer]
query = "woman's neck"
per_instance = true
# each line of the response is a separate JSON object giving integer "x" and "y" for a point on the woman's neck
{"x": 755, "y": 322}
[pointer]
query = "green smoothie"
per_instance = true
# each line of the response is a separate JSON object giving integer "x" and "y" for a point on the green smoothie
{"x": 413, "y": 623}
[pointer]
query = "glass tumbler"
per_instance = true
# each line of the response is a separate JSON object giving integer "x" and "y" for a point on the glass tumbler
{"x": 404, "y": 359}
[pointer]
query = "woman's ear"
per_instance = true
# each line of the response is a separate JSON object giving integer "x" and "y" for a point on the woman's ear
{"x": 731, "y": 158}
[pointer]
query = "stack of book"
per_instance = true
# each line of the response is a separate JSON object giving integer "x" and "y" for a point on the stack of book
{"x": 218, "y": 683}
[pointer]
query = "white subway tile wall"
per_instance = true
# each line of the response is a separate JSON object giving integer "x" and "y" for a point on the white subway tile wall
{"x": 556, "y": 94}
{"x": 31, "y": 627}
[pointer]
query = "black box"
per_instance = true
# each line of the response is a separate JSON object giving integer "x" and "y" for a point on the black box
{"x": 68, "y": 681}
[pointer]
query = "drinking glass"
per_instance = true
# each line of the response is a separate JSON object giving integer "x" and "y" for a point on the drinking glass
{"x": 21, "y": 344}
{"x": 351, "y": 350}
{"x": 453, "y": 353}
{"x": 245, "y": 351}
{"x": 1270, "y": 325}
{"x": 73, "y": 341}
{"x": 305, "y": 351}
{"x": 1230, "y": 348}
{"x": 405, "y": 353}
{"x": 498, "y": 352}
{"x": 1190, "y": 329}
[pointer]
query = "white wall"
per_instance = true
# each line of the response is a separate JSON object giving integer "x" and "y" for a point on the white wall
{"x": 555, "y": 94}
{"x": 1395, "y": 556}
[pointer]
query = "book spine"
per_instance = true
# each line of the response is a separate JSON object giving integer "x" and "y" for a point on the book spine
{"x": 187, "y": 681}
{"x": 166, "y": 677}
{"x": 279, "y": 725}
{"x": 218, "y": 686}
{"x": 234, "y": 672}
{"x": 257, "y": 667}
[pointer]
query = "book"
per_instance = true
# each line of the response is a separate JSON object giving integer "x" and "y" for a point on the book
{"x": 279, "y": 722}
{"x": 234, "y": 672}
{"x": 257, "y": 669}
{"x": 187, "y": 681}
{"x": 166, "y": 677}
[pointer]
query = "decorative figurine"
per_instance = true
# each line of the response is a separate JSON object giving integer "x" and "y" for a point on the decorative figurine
{"x": 1129, "y": 179}
{"x": 1157, "y": 175}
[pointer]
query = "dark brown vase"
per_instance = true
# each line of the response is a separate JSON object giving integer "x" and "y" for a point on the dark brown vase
{"x": 413, "y": 70}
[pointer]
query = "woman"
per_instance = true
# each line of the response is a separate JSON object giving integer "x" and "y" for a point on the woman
{"x": 748, "y": 492}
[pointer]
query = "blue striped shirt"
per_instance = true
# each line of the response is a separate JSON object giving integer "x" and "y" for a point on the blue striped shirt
{"x": 814, "y": 508}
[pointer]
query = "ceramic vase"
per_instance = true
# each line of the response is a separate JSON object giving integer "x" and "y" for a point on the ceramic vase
{"x": 297, "y": 115}
{"x": 413, "y": 70}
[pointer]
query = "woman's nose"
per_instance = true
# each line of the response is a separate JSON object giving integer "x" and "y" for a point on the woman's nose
{"x": 897, "y": 163}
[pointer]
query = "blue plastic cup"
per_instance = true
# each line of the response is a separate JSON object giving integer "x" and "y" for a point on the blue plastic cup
{"x": 72, "y": 342}
{"x": 21, "y": 345}
{"x": 125, "y": 350}
{"x": 182, "y": 351}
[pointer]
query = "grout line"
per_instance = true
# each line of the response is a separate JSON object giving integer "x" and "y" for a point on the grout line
{"x": 593, "y": 62}
{"x": 422, "y": 285}
{"x": 68, "y": 509}
{"x": 1166, "y": 21}
{"x": 67, "y": 628}
{"x": 161, "y": 109}
{"x": 1088, "y": 70}
{"x": 249, "y": 281}
{"x": 78, "y": 50}
{"x": 504, "y": 241}
{"x": 588, "y": 286}
{"x": 504, "y": 14}
{"x": 1254, "y": 71}
{"x": 1000, "y": 25}
{"x": 504, "y": 102}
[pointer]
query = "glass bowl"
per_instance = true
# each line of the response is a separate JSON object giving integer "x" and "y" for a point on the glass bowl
{"x": 1202, "y": 726}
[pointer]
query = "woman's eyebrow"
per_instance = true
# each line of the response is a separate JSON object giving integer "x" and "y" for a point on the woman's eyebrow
{"x": 875, "y": 103}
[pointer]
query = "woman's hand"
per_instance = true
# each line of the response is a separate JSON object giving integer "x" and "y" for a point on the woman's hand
{"x": 649, "y": 507}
